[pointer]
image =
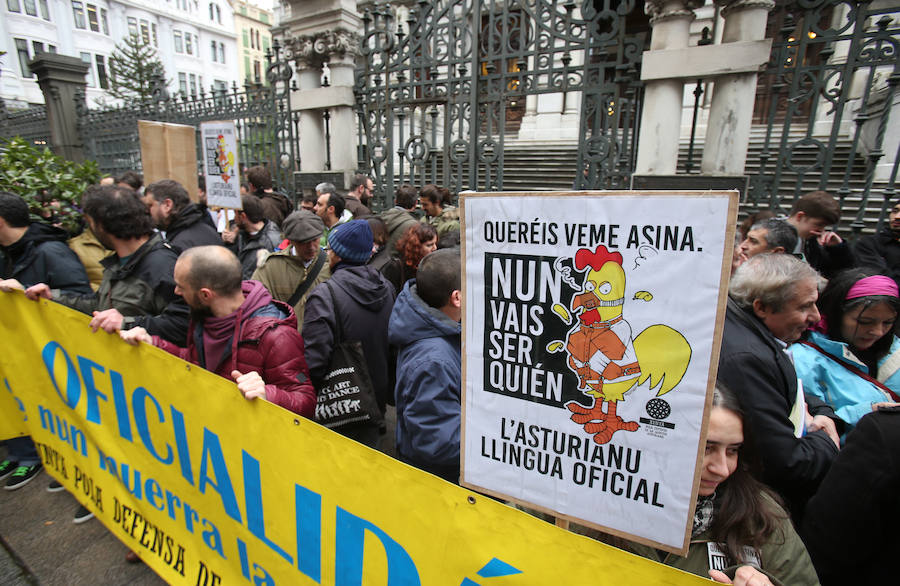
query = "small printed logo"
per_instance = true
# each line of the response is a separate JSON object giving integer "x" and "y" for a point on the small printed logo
{"x": 658, "y": 408}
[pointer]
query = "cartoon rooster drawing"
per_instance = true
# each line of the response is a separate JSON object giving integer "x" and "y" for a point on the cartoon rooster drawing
{"x": 224, "y": 159}
{"x": 608, "y": 361}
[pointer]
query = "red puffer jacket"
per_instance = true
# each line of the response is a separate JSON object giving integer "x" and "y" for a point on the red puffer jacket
{"x": 269, "y": 344}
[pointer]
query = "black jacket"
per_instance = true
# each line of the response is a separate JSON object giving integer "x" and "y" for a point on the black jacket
{"x": 880, "y": 251}
{"x": 755, "y": 366}
{"x": 188, "y": 229}
{"x": 828, "y": 260}
{"x": 364, "y": 302}
{"x": 252, "y": 250}
{"x": 142, "y": 290}
{"x": 42, "y": 256}
{"x": 851, "y": 525}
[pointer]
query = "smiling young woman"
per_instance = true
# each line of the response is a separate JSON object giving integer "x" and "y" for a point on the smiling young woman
{"x": 851, "y": 359}
{"x": 740, "y": 532}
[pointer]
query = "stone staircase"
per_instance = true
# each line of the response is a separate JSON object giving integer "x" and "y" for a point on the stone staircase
{"x": 552, "y": 166}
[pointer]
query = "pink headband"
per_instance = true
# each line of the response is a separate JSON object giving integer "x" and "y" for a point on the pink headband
{"x": 875, "y": 285}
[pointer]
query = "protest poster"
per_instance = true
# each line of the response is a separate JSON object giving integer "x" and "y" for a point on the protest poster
{"x": 220, "y": 164}
{"x": 592, "y": 323}
{"x": 209, "y": 488}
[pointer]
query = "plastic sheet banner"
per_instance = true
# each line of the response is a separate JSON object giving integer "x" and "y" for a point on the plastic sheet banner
{"x": 592, "y": 328}
{"x": 209, "y": 488}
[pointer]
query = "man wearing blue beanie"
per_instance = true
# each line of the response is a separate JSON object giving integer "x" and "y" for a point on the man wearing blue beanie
{"x": 358, "y": 300}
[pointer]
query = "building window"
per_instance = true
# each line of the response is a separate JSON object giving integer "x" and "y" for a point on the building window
{"x": 132, "y": 26}
{"x": 93, "y": 21}
{"x": 102, "y": 80}
{"x": 182, "y": 84}
{"x": 257, "y": 71}
{"x": 193, "y": 85}
{"x": 13, "y": 6}
{"x": 24, "y": 57}
{"x": 188, "y": 44}
{"x": 212, "y": 44}
{"x": 246, "y": 38}
{"x": 179, "y": 44}
{"x": 153, "y": 30}
{"x": 78, "y": 12}
{"x": 221, "y": 52}
{"x": 145, "y": 32}
{"x": 86, "y": 58}
{"x": 30, "y": 8}
{"x": 104, "y": 21}
{"x": 38, "y": 47}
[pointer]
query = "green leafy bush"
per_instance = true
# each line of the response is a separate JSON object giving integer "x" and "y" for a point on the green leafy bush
{"x": 51, "y": 185}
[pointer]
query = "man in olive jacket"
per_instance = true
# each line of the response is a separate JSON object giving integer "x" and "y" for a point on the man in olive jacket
{"x": 291, "y": 274}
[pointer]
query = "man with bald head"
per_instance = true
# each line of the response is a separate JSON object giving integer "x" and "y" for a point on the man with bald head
{"x": 226, "y": 315}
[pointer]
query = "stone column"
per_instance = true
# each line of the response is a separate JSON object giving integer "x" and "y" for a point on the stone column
{"x": 342, "y": 48}
{"x": 660, "y": 128}
{"x": 731, "y": 109}
{"x": 312, "y": 126}
{"x": 59, "y": 77}
{"x": 319, "y": 32}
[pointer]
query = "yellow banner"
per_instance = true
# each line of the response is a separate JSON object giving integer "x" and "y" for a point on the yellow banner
{"x": 209, "y": 488}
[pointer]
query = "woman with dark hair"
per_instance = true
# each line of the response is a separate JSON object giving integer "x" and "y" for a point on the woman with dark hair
{"x": 436, "y": 202}
{"x": 851, "y": 359}
{"x": 419, "y": 241}
{"x": 740, "y": 531}
{"x": 381, "y": 254}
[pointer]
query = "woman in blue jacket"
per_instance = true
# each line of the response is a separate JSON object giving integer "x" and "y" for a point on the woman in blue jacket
{"x": 851, "y": 359}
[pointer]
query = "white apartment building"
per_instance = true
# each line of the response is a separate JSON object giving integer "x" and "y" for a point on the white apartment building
{"x": 195, "y": 40}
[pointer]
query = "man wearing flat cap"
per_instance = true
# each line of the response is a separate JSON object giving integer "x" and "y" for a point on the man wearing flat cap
{"x": 292, "y": 273}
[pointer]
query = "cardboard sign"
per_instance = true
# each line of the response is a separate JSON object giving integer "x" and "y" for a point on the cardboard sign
{"x": 169, "y": 151}
{"x": 209, "y": 488}
{"x": 592, "y": 327}
{"x": 220, "y": 164}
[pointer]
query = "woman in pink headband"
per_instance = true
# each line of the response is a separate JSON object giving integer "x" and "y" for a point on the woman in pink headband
{"x": 852, "y": 358}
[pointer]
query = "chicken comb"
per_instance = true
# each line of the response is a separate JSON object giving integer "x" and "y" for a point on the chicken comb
{"x": 584, "y": 257}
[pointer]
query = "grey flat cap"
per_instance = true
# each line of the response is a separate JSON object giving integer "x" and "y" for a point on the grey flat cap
{"x": 303, "y": 225}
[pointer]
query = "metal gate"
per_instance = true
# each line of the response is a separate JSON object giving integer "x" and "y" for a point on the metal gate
{"x": 440, "y": 91}
{"x": 267, "y": 127}
{"x": 823, "y": 106}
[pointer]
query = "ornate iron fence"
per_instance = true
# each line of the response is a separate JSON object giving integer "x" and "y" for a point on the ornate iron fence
{"x": 438, "y": 94}
{"x": 267, "y": 128}
{"x": 825, "y": 101}
{"x": 31, "y": 124}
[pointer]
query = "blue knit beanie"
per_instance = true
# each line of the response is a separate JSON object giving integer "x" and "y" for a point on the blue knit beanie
{"x": 352, "y": 241}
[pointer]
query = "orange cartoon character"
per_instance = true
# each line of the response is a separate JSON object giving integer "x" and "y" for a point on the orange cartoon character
{"x": 608, "y": 361}
{"x": 224, "y": 160}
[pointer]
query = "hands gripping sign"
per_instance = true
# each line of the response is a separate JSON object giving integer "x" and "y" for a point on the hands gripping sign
{"x": 591, "y": 325}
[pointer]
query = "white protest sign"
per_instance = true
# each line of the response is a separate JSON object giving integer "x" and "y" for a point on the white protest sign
{"x": 592, "y": 328}
{"x": 220, "y": 164}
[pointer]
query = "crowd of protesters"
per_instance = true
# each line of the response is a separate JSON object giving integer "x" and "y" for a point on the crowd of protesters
{"x": 800, "y": 469}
